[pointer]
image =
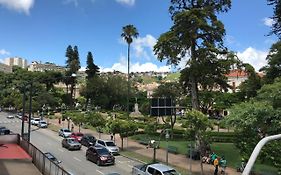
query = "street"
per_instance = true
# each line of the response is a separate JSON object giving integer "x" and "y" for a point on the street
{"x": 73, "y": 161}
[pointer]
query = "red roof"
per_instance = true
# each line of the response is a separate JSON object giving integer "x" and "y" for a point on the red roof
{"x": 237, "y": 73}
{"x": 12, "y": 151}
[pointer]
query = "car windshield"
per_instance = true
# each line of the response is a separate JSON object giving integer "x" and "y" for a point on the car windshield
{"x": 110, "y": 143}
{"x": 66, "y": 130}
{"x": 43, "y": 122}
{"x": 103, "y": 151}
{"x": 71, "y": 141}
{"x": 91, "y": 138}
{"x": 171, "y": 172}
{"x": 79, "y": 134}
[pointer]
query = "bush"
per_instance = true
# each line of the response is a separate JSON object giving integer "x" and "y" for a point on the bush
{"x": 225, "y": 137}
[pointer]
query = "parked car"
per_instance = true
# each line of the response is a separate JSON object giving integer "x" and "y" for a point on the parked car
{"x": 88, "y": 140}
{"x": 51, "y": 157}
{"x": 110, "y": 145}
{"x": 42, "y": 124}
{"x": 35, "y": 121}
{"x": 100, "y": 155}
{"x": 70, "y": 144}
{"x": 64, "y": 132}
{"x": 151, "y": 169}
{"x": 77, "y": 135}
{"x": 10, "y": 117}
{"x": 4, "y": 130}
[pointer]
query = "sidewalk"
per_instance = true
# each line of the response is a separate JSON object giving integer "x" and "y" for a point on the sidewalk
{"x": 176, "y": 160}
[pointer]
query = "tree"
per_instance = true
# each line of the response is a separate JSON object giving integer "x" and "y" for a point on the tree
{"x": 124, "y": 128}
{"x": 273, "y": 67}
{"x": 96, "y": 120}
{"x": 276, "y": 27}
{"x": 128, "y": 33}
{"x": 91, "y": 69}
{"x": 196, "y": 125}
{"x": 197, "y": 33}
{"x": 72, "y": 65}
{"x": 253, "y": 121}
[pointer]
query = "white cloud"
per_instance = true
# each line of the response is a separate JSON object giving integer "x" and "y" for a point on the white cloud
{"x": 256, "y": 58}
{"x": 143, "y": 47}
{"x": 135, "y": 67}
{"x": 18, "y": 5}
{"x": 4, "y": 52}
{"x": 126, "y": 2}
{"x": 268, "y": 21}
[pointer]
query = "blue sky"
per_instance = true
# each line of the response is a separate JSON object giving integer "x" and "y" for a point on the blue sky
{"x": 41, "y": 30}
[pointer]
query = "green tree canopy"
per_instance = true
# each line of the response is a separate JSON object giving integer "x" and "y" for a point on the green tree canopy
{"x": 276, "y": 27}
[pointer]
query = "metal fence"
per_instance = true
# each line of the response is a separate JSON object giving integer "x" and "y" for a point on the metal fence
{"x": 40, "y": 160}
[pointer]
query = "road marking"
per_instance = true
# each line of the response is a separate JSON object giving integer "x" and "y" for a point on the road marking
{"x": 99, "y": 172}
{"x": 77, "y": 159}
{"x": 61, "y": 150}
{"x": 130, "y": 166}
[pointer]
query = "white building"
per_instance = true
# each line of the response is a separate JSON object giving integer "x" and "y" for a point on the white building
{"x": 42, "y": 67}
{"x": 16, "y": 61}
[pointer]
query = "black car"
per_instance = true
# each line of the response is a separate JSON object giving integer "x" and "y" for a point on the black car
{"x": 100, "y": 155}
{"x": 52, "y": 158}
{"x": 88, "y": 140}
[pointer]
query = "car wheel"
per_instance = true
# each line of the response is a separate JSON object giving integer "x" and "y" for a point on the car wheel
{"x": 98, "y": 163}
{"x": 87, "y": 157}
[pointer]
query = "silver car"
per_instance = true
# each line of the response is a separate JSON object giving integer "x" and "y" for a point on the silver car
{"x": 71, "y": 144}
{"x": 110, "y": 145}
{"x": 64, "y": 132}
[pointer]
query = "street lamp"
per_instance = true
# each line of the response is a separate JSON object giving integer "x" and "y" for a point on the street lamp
{"x": 167, "y": 136}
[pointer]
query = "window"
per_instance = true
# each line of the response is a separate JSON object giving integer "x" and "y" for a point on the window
{"x": 150, "y": 170}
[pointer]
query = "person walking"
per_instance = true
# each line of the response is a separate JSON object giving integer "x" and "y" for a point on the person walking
{"x": 223, "y": 163}
{"x": 216, "y": 165}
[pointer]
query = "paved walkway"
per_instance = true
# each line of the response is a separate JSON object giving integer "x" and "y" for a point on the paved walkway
{"x": 176, "y": 160}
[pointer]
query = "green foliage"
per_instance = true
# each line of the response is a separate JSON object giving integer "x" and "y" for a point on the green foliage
{"x": 129, "y": 32}
{"x": 253, "y": 121}
{"x": 273, "y": 68}
{"x": 276, "y": 27}
{"x": 91, "y": 69}
{"x": 222, "y": 137}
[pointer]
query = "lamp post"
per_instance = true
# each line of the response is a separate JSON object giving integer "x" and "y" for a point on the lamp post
{"x": 167, "y": 144}
{"x": 30, "y": 108}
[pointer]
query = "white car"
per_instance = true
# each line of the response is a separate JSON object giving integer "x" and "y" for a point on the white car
{"x": 35, "y": 121}
{"x": 42, "y": 124}
{"x": 110, "y": 145}
{"x": 10, "y": 117}
{"x": 64, "y": 132}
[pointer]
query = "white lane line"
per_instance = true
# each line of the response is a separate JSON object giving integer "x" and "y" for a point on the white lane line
{"x": 77, "y": 159}
{"x": 99, "y": 172}
{"x": 130, "y": 166}
{"x": 61, "y": 150}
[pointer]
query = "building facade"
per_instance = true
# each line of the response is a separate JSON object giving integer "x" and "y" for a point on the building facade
{"x": 5, "y": 68}
{"x": 16, "y": 61}
{"x": 42, "y": 67}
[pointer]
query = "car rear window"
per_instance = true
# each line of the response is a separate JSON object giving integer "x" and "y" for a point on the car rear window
{"x": 110, "y": 144}
{"x": 171, "y": 172}
{"x": 103, "y": 151}
{"x": 66, "y": 130}
{"x": 79, "y": 134}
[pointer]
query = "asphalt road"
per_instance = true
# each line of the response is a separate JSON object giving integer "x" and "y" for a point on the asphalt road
{"x": 73, "y": 161}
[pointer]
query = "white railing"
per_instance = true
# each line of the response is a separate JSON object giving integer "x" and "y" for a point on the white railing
{"x": 256, "y": 152}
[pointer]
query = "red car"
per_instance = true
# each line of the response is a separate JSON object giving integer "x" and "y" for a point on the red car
{"x": 77, "y": 135}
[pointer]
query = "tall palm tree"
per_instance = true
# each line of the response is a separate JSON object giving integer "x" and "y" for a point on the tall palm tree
{"x": 128, "y": 33}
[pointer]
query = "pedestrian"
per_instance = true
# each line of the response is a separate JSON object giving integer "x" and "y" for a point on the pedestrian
{"x": 216, "y": 165}
{"x": 213, "y": 157}
{"x": 223, "y": 163}
{"x": 59, "y": 121}
{"x": 72, "y": 127}
{"x": 111, "y": 136}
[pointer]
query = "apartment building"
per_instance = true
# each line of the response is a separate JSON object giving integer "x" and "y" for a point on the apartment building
{"x": 16, "y": 61}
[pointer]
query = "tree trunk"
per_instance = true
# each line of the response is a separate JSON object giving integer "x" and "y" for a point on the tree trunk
{"x": 122, "y": 143}
{"x": 192, "y": 80}
{"x": 128, "y": 84}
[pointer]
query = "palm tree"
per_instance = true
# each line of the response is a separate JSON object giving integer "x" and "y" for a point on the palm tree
{"x": 128, "y": 33}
